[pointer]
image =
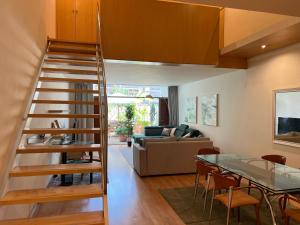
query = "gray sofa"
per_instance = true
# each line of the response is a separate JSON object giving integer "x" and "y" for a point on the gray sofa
{"x": 162, "y": 156}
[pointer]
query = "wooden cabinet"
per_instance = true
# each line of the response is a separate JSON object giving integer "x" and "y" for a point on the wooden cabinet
{"x": 76, "y": 20}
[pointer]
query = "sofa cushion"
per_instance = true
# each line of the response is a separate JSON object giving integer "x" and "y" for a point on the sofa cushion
{"x": 172, "y": 134}
{"x": 194, "y": 132}
{"x": 154, "y": 130}
{"x": 188, "y": 135}
{"x": 180, "y": 131}
{"x": 193, "y": 139}
{"x": 142, "y": 140}
{"x": 183, "y": 127}
{"x": 162, "y": 139}
{"x": 166, "y": 132}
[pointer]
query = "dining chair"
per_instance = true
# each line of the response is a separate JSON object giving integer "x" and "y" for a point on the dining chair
{"x": 203, "y": 174}
{"x": 274, "y": 159}
{"x": 234, "y": 196}
{"x": 209, "y": 151}
{"x": 293, "y": 210}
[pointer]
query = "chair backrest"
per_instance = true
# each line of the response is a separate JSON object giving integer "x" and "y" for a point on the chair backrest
{"x": 208, "y": 151}
{"x": 224, "y": 181}
{"x": 204, "y": 169}
{"x": 275, "y": 159}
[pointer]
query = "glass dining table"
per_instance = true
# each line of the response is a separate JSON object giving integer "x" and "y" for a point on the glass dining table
{"x": 271, "y": 178}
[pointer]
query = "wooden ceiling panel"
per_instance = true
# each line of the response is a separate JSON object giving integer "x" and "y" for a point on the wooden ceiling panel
{"x": 147, "y": 30}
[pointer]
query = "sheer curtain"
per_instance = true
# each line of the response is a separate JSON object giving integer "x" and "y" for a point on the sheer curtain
{"x": 173, "y": 105}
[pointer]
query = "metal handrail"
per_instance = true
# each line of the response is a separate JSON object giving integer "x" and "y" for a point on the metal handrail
{"x": 103, "y": 120}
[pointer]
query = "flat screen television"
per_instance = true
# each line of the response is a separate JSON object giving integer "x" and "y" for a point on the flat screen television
{"x": 288, "y": 124}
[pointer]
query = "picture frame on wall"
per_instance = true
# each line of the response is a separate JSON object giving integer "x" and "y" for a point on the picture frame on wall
{"x": 191, "y": 110}
{"x": 210, "y": 110}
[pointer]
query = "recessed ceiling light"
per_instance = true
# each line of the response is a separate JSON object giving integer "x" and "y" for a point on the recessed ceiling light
{"x": 263, "y": 46}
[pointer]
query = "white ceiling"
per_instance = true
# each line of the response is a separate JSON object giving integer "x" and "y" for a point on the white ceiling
{"x": 285, "y": 7}
{"x": 158, "y": 74}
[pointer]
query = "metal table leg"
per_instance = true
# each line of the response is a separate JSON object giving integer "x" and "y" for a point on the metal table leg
{"x": 266, "y": 197}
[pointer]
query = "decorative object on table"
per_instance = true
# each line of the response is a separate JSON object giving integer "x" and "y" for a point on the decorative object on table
{"x": 191, "y": 110}
{"x": 209, "y": 110}
{"x": 129, "y": 122}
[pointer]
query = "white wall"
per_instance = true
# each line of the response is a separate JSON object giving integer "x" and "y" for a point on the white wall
{"x": 245, "y": 107}
{"x": 24, "y": 27}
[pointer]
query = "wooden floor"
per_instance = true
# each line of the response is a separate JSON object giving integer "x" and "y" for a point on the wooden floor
{"x": 132, "y": 200}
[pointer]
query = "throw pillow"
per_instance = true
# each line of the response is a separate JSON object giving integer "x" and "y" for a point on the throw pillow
{"x": 166, "y": 132}
{"x": 172, "y": 134}
{"x": 187, "y": 135}
{"x": 195, "y": 133}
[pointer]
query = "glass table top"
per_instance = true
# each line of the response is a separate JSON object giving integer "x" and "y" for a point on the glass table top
{"x": 271, "y": 176}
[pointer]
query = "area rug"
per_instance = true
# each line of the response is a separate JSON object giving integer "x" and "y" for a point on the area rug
{"x": 191, "y": 213}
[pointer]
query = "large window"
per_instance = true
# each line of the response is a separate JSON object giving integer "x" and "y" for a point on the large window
{"x": 145, "y": 100}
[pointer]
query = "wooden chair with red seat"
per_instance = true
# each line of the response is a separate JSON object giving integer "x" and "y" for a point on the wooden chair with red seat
{"x": 274, "y": 159}
{"x": 203, "y": 179}
{"x": 209, "y": 151}
{"x": 206, "y": 171}
{"x": 235, "y": 197}
{"x": 293, "y": 210}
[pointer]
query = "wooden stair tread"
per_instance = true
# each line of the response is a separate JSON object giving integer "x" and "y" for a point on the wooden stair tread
{"x": 41, "y": 170}
{"x": 72, "y": 49}
{"x": 62, "y": 115}
{"x": 54, "y": 79}
{"x": 53, "y": 40}
{"x": 58, "y": 148}
{"x": 71, "y": 55}
{"x": 66, "y": 90}
{"x": 73, "y": 46}
{"x": 42, "y": 101}
{"x": 61, "y": 131}
{"x": 69, "y": 71}
{"x": 52, "y": 194}
{"x": 83, "y": 218}
{"x": 71, "y": 62}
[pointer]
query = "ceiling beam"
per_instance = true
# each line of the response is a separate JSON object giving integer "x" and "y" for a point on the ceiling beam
{"x": 284, "y": 7}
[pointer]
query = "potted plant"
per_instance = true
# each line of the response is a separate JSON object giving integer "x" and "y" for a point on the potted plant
{"x": 122, "y": 131}
{"x": 129, "y": 122}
